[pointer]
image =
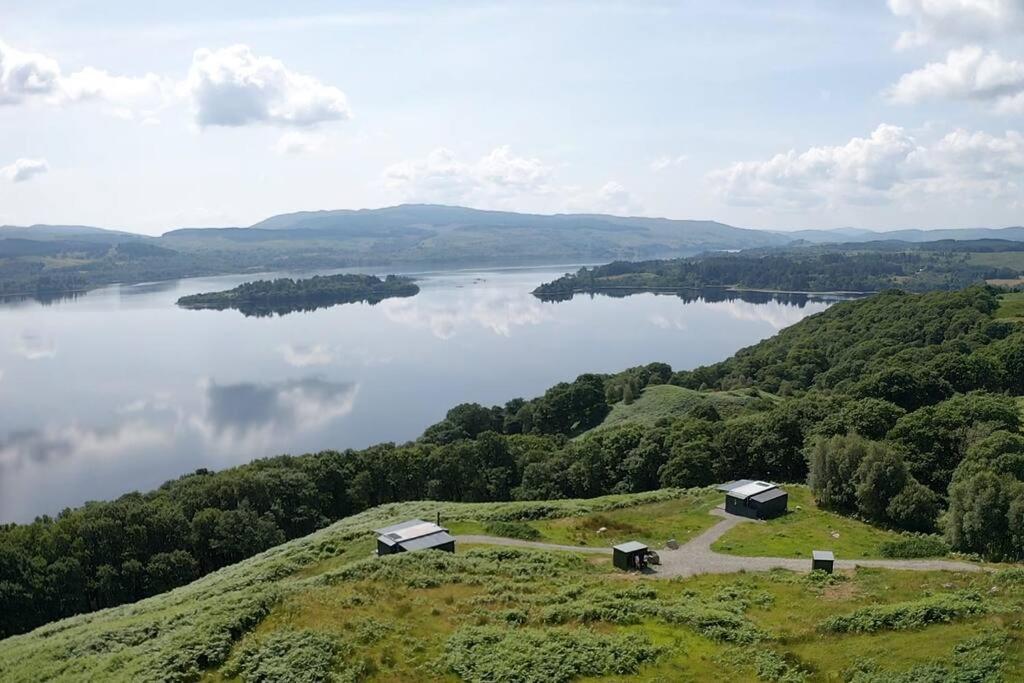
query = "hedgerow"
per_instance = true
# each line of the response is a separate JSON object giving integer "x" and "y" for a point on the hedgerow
{"x": 907, "y": 615}
{"x": 910, "y": 547}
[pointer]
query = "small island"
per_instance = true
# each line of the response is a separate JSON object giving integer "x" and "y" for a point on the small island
{"x": 285, "y": 295}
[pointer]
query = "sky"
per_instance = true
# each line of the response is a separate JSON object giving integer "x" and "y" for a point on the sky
{"x": 783, "y": 115}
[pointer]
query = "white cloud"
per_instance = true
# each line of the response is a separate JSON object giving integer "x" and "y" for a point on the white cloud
{"x": 493, "y": 179}
{"x": 303, "y": 356}
{"x": 889, "y": 165}
{"x": 665, "y": 162}
{"x": 957, "y": 20}
{"x": 235, "y": 87}
{"x": 25, "y": 74}
{"x": 969, "y": 73}
{"x": 24, "y": 169}
{"x": 296, "y": 143}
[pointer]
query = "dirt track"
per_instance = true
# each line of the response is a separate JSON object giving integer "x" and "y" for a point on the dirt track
{"x": 696, "y": 556}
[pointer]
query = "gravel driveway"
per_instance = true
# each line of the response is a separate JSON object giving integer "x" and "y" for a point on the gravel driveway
{"x": 696, "y": 557}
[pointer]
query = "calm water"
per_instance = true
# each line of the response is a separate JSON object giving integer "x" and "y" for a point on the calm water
{"x": 120, "y": 390}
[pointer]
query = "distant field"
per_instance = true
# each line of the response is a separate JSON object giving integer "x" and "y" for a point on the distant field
{"x": 1001, "y": 259}
{"x": 324, "y": 607}
{"x": 668, "y": 401}
{"x": 1011, "y": 306}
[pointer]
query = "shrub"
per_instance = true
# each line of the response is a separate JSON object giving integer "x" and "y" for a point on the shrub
{"x": 543, "y": 655}
{"x": 978, "y": 660}
{"x": 909, "y": 547}
{"x": 906, "y": 615}
{"x": 519, "y": 530}
{"x": 287, "y": 657}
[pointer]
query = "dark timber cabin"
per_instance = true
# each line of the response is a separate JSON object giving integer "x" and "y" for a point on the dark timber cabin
{"x": 414, "y": 534}
{"x": 630, "y": 556}
{"x": 754, "y": 499}
{"x": 823, "y": 560}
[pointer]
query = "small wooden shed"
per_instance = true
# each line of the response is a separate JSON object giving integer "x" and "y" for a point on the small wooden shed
{"x": 630, "y": 556}
{"x": 822, "y": 560}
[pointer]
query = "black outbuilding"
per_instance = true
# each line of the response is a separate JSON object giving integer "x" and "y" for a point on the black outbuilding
{"x": 630, "y": 556}
{"x": 823, "y": 560}
{"x": 754, "y": 499}
{"x": 414, "y": 534}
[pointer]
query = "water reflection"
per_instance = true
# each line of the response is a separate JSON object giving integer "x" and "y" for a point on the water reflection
{"x": 33, "y": 345}
{"x": 121, "y": 389}
{"x": 241, "y": 411}
{"x": 496, "y": 311}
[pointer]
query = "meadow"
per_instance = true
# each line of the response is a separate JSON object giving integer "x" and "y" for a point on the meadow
{"x": 324, "y": 608}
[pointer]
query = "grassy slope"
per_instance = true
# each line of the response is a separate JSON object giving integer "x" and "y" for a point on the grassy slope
{"x": 392, "y": 619}
{"x": 803, "y": 529}
{"x": 1011, "y": 306}
{"x": 669, "y": 401}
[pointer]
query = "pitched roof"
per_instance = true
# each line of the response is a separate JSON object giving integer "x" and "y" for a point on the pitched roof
{"x": 770, "y": 494}
{"x": 429, "y": 541}
{"x": 750, "y": 489}
{"x": 406, "y": 531}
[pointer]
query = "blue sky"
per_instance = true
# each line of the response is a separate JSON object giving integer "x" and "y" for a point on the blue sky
{"x": 149, "y": 116}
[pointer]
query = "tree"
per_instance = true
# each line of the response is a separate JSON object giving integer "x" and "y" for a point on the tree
{"x": 833, "y": 464}
{"x": 881, "y": 475}
{"x": 915, "y": 508}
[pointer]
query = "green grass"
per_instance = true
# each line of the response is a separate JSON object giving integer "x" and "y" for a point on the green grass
{"x": 669, "y": 401}
{"x": 1011, "y": 306}
{"x": 324, "y": 605}
{"x": 803, "y": 529}
{"x": 1000, "y": 259}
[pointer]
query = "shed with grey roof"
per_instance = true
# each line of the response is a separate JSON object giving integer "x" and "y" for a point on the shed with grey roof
{"x": 630, "y": 555}
{"x": 414, "y": 534}
{"x": 823, "y": 560}
{"x": 754, "y": 499}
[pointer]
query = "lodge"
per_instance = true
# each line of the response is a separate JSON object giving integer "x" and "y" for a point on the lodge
{"x": 414, "y": 534}
{"x": 754, "y": 499}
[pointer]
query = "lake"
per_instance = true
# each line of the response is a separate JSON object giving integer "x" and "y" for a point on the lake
{"x": 120, "y": 390}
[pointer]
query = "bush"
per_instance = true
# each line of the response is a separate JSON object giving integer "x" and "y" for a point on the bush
{"x": 287, "y": 657}
{"x": 519, "y": 530}
{"x": 547, "y": 655}
{"x": 906, "y": 615}
{"x": 910, "y": 547}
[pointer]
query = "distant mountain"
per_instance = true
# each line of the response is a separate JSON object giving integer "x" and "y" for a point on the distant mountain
{"x": 912, "y": 235}
{"x": 432, "y": 233}
{"x": 63, "y": 232}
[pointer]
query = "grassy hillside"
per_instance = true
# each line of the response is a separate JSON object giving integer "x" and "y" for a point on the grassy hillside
{"x": 323, "y": 608}
{"x": 1011, "y": 306}
{"x": 668, "y": 401}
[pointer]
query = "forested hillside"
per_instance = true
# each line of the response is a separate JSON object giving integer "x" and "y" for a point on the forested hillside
{"x": 904, "y": 405}
{"x": 944, "y": 265}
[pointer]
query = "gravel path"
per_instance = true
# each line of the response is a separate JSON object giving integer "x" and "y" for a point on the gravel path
{"x": 696, "y": 557}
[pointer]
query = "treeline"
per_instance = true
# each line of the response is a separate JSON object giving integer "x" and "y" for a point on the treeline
{"x": 899, "y": 407}
{"x": 796, "y": 270}
{"x": 285, "y": 295}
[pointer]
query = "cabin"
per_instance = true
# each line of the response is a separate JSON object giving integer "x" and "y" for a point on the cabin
{"x": 630, "y": 556}
{"x": 414, "y": 534}
{"x": 754, "y": 499}
{"x": 822, "y": 560}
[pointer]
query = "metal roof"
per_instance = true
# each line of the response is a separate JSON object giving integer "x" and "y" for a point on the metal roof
{"x": 770, "y": 494}
{"x": 630, "y": 547}
{"x": 730, "y": 485}
{"x": 433, "y": 540}
{"x": 822, "y": 555}
{"x": 406, "y": 531}
{"x": 751, "y": 489}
